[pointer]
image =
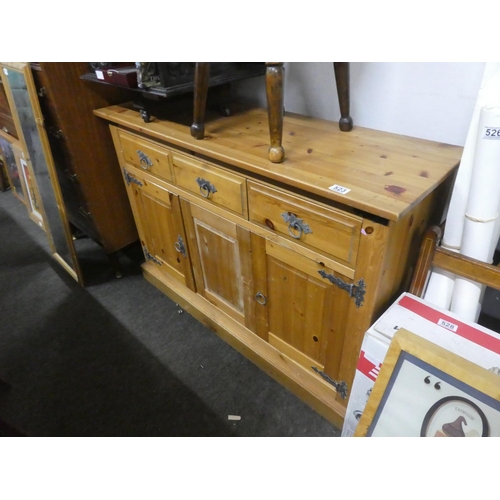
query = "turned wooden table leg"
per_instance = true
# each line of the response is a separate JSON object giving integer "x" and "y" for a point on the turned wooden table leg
{"x": 342, "y": 80}
{"x": 274, "y": 91}
{"x": 201, "y": 76}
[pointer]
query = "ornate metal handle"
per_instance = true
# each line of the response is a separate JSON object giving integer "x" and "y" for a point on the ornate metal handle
{"x": 205, "y": 187}
{"x": 261, "y": 298}
{"x": 294, "y": 223}
{"x": 179, "y": 246}
{"x": 144, "y": 160}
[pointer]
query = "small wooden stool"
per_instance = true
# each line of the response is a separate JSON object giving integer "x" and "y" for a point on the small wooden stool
{"x": 275, "y": 101}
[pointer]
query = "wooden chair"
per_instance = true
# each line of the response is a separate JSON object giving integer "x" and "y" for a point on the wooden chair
{"x": 432, "y": 255}
{"x": 275, "y": 101}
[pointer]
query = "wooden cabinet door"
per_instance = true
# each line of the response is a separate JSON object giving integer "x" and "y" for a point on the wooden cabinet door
{"x": 221, "y": 258}
{"x": 159, "y": 223}
{"x": 301, "y": 313}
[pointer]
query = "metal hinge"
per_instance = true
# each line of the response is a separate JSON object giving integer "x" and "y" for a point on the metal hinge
{"x": 150, "y": 256}
{"x": 130, "y": 179}
{"x": 341, "y": 386}
{"x": 355, "y": 290}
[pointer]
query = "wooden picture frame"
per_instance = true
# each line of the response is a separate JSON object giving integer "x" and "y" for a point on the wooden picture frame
{"x": 425, "y": 390}
{"x": 43, "y": 193}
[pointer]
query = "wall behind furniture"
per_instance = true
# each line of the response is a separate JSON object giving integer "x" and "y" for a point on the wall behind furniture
{"x": 432, "y": 100}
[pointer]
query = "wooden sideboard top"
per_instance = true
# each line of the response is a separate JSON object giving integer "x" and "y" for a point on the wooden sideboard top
{"x": 387, "y": 173}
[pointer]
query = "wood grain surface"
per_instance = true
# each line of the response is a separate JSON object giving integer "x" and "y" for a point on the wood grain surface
{"x": 387, "y": 174}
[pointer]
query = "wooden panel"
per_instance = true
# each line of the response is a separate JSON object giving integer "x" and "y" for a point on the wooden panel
{"x": 93, "y": 155}
{"x": 158, "y": 158}
{"x": 231, "y": 188}
{"x": 332, "y": 231}
{"x": 306, "y": 311}
{"x": 373, "y": 247}
{"x": 258, "y": 311}
{"x": 431, "y": 255}
{"x": 79, "y": 210}
{"x": 157, "y": 212}
{"x": 221, "y": 260}
{"x": 387, "y": 174}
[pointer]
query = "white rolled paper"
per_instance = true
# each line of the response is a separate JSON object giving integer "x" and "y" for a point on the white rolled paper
{"x": 465, "y": 301}
{"x": 477, "y": 240}
{"x": 488, "y": 94}
{"x": 484, "y": 193}
{"x": 480, "y": 226}
{"x": 439, "y": 289}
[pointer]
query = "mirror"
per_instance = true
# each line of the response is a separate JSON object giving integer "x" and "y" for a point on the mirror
{"x": 20, "y": 90}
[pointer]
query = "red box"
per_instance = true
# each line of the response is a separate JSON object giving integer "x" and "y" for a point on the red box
{"x": 126, "y": 77}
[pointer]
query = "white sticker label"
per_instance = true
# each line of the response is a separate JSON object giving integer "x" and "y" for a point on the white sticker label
{"x": 339, "y": 189}
{"x": 492, "y": 133}
{"x": 6, "y": 71}
{"x": 99, "y": 74}
{"x": 448, "y": 325}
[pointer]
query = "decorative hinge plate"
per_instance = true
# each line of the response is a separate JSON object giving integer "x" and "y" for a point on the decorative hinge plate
{"x": 357, "y": 291}
{"x": 341, "y": 386}
{"x": 130, "y": 179}
{"x": 150, "y": 256}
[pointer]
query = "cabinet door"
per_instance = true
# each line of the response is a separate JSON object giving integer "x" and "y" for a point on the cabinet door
{"x": 159, "y": 223}
{"x": 221, "y": 258}
{"x": 304, "y": 314}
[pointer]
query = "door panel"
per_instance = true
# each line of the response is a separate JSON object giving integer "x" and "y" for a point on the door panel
{"x": 221, "y": 262}
{"x": 306, "y": 313}
{"x": 159, "y": 223}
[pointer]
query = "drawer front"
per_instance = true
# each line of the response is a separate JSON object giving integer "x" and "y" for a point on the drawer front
{"x": 318, "y": 227}
{"x": 213, "y": 184}
{"x": 145, "y": 155}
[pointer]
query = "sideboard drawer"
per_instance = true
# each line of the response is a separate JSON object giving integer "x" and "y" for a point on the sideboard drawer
{"x": 319, "y": 227}
{"x": 222, "y": 188}
{"x": 146, "y": 155}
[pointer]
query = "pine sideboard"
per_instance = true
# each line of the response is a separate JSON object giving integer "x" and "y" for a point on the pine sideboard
{"x": 289, "y": 263}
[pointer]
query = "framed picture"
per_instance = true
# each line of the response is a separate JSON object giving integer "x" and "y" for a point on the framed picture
{"x": 425, "y": 390}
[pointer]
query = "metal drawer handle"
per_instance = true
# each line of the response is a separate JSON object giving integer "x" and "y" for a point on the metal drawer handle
{"x": 296, "y": 224}
{"x": 179, "y": 246}
{"x": 260, "y": 298}
{"x": 205, "y": 187}
{"x": 144, "y": 160}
